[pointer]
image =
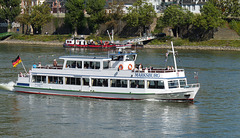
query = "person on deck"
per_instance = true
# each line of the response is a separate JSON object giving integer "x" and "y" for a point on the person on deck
{"x": 140, "y": 67}
{"x": 55, "y": 63}
{"x": 39, "y": 65}
{"x": 34, "y": 65}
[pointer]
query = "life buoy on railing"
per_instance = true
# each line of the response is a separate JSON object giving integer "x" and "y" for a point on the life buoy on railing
{"x": 120, "y": 67}
{"x": 130, "y": 66}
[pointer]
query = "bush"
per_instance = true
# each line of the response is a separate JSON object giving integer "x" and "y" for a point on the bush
{"x": 178, "y": 42}
{"x": 43, "y": 38}
{"x": 235, "y": 25}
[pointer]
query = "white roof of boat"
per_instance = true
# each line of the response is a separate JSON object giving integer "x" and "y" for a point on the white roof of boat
{"x": 85, "y": 58}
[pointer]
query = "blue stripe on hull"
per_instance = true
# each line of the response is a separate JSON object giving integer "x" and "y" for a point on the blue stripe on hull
{"x": 23, "y": 84}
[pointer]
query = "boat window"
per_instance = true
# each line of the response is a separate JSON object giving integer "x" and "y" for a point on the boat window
{"x": 117, "y": 58}
{"x": 86, "y": 81}
{"x": 118, "y": 83}
{"x": 155, "y": 84}
{"x": 86, "y": 64}
{"x": 97, "y": 65}
{"x": 79, "y": 64}
{"x": 137, "y": 83}
{"x": 91, "y": 65}
{"x": 38, "y": 79}
{"x": 182, "y": 83}
{"x": 74, "y": 64}
{"x": 134, "y": 57}
{"x": 100, "y": 82}
{"x": 130, "y": 58}
{"x": 173, "y": 84}
{"x": 73, "y": 81}
{"x": 105, "y": 64}
{"x": 55, "y": 80}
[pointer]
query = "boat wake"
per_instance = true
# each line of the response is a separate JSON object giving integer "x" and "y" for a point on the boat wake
{"x": 7, "y": 86}
{"x": 153, "y": 100}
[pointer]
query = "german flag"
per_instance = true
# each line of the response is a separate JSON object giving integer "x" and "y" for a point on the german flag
{"x": 16, "y": 61}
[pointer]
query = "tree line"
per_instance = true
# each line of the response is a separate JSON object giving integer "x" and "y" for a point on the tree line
{"x": 91, "y": 14}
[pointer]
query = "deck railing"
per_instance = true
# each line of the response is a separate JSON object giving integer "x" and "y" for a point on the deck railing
{"x": 25, "y": 75}
{"x": 195, "y": 85}
{"x": 50, "y": 67}
{"x": 157, "y": 70}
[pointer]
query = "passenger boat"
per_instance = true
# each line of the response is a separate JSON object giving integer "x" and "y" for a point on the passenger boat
{"x": 115, "y": 76}
{"x": 82, "y": 43}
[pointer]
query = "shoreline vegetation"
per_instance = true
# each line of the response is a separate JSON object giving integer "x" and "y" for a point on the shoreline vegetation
{"x": 58, "y": 40}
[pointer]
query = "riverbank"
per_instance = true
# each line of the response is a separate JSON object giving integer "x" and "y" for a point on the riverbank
{"x": 13, "y": 41}
{"x": 164, "y": 46}
{"x": 221, "y": 48}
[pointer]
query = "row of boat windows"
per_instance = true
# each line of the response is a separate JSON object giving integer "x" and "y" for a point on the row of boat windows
{"x": 86, "y": 64}
{"x": 99, "y": 82}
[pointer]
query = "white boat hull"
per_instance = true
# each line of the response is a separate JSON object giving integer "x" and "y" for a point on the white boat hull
{"x": 183, "y": 95}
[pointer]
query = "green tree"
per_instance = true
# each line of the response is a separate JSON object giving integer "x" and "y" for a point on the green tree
{"x": 176, "y": 17}
{"x": 229, "y": 8}
{"x": 75, "y": 14}
{"x": 95, "y": 8}
{"x": 40, "y": 15}
{"x": 140, "y": 15}
{"x": 24, "y": 18}
{"x": 115, "y": 16}
{"x": 235, "y": 25}
{"x": 9, "y": 10}
{"x": 209, "y": 19}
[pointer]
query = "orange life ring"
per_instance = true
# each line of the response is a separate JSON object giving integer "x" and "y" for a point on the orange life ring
{"x": 120, "y": 67}
{"x": 130, "y": 66}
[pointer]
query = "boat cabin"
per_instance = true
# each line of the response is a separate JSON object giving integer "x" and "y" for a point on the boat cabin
{"x": 123, "y": 61}
{"x": 79, "y": 62}
{"x": 120, "y": 61}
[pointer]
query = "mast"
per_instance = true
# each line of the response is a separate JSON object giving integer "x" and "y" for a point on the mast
{"x": 109, "y": 36}
{"x": 112, "y": 36}
{"x": 174, "y": 58}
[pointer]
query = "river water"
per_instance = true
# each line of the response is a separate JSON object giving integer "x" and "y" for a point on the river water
{"x": 215, "y": 113}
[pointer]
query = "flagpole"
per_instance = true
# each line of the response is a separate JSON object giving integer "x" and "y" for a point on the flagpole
{"x": 24, "y": 68}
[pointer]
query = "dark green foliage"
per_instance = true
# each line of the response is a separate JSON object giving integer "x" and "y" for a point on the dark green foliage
{"x": 228, "y": 8}
{"x": 40, "y": 15}
{"x": 210, "y": 17}
{"x": 196, "y": 27}
{"x": 177, "y": 18}
{"x": 24, "y": 18}
{"x": 205, "y": 24}
{"x": 235, "y": 25}
{"x": 160, "y": 25}
{"x": 140, "y": 15}
{"x": 75, "y": 14}
{"x": 114, "y": 19}
{"x": 9, "y": 9}
{"x": 95, "y": 8}
{"x": 36, "y": 16}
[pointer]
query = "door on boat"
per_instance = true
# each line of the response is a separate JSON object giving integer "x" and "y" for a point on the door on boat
{"x": 86, "y": 85}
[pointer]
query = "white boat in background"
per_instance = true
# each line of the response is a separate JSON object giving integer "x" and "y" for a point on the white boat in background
{"x": 113, "y": 77}
{"x": 82, "y": 43}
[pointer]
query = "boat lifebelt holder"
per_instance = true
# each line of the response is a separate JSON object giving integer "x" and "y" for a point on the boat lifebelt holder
{"x": 130, "y": 66}
{"x": 120, "y": 67}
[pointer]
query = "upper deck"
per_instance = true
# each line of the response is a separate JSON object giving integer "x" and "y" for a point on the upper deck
{"x": 119, "y": 64}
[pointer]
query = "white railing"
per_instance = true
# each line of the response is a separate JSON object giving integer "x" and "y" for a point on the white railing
{"x": 23, "y": 75}
{"x": 50, "y": 67}
{"x": 157, "y": 70}
{"x": 195, "y": 85}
